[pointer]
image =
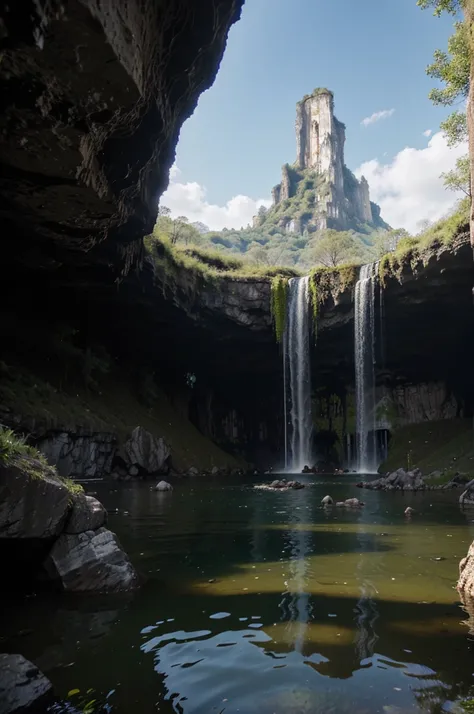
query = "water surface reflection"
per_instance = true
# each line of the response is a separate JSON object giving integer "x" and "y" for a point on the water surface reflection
{"x": 265, "y": 602}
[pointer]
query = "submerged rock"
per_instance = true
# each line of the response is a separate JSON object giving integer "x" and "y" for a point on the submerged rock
{"x": 281, "y": 485}
{"x": 193, "y": 471}
{"x": 22, "y": 685}
{"x": 353, "y": 503}
{"x": 87, "y": 514}
{"x": 163, "y": 486}
{"x": 147, "y": 451}
{"x": 91, "y": 561}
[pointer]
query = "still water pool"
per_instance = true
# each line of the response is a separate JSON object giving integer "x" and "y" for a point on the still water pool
{"x": 262, "y": 602}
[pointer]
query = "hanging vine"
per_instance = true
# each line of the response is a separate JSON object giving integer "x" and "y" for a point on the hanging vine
{"x": 279, "y": 297}
{"x": 313, "y": 291}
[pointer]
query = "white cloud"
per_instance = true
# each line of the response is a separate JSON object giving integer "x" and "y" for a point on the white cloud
{"x": 427, "y": 133}
{"x": 409, "y": 189}
{"x": 377, "y": 116}
{"x": 189, "y": 199}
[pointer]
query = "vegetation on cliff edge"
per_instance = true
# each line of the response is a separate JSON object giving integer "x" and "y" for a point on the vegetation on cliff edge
{"x": 14, "y": 451}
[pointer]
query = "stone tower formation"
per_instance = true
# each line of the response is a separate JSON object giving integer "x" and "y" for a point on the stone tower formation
{"x": 318, "y": 191}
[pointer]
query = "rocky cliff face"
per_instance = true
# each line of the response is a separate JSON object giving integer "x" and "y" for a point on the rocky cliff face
{"x": 319, "y": 191}
{"x": 424, "y": 341}
{"x": 93, "y": 95}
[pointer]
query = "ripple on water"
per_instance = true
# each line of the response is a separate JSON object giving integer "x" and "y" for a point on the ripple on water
{"x": 277, "y": 607}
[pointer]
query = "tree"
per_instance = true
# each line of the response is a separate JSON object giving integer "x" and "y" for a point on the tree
{"x": 175, "y": 229}
{"x": 451, "y": 68}
{"x": 387, "y": 241}
{"x": 332, "y": 249}
{"x": 459, "y": 179}
{"x": 451, "y": 6}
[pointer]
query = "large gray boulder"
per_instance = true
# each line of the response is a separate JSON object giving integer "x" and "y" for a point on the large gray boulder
{"x": 91, "y": 561}
{"x": 147, "y": 451}
{"x": 87, "y": 514}
{"x": 22, "y": 686}
{"x": 33, "y": 502}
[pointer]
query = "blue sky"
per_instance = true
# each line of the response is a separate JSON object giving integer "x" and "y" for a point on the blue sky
{"x": 371, "y": 53}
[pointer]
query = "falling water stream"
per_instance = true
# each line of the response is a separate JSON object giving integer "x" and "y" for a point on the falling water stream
{"x": 365, "y": 368}
{"x": 297, "y": 382}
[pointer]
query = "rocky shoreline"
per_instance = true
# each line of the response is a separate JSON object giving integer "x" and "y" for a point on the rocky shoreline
{"x": 401, "y": 480}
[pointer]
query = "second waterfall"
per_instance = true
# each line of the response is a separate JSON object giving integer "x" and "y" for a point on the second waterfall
{"x": 297, "y": 376}
{"x": 365, "y": 368}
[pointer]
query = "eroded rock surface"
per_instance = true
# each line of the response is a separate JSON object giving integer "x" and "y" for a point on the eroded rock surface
{"x": 147, "y": 451}
{"x": 466, "y": 573}
{"x": 94, "y": 95}
{"x": 22, "y": 686}
{"x": 91, "y": 561}
{"x": 399, "y": 480}
{"x": 31, "y": 506}
{"x": 87, "y": 514}
{"x": 79, "y": 455}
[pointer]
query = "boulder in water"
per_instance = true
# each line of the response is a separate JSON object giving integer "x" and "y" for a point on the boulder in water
{"x": 353, "y": 503}
{"x": 90, "y": 561}
{"x": 327, "y": 501}
{"x": 22, "y": 686}
{"x": 87, "y": 514}
{"x": 163, "y": 486}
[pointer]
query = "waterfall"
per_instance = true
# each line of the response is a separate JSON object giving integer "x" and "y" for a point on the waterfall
{"x": 365, "y": 367}
{"x": 297, "y": 378}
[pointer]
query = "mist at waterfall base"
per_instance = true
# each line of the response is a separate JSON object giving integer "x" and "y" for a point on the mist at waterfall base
{"x": 297, "y": 377}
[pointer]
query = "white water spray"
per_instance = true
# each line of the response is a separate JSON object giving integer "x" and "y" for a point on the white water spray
{"x": 365, "y": 367}
{"x": 297, "y": 383}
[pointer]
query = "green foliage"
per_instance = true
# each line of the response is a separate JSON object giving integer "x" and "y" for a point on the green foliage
{"x": 205, "y": 265}
{"x": 13, "y": 447}
{"x": 176, "y": 230}
{"x": 451, "y": 6}
{"x": 411, "y": 251}
{"x": 455, "y": 128}
{"x": 14, "y": 451}
{"x": 331, "y": 248}
{"x": 279, "y": 297}
{"x": 326, "y": 283}
{"x": 452, "y": 68}
{"x": 313, "y": 291}
{"x": 459, "y": 179}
